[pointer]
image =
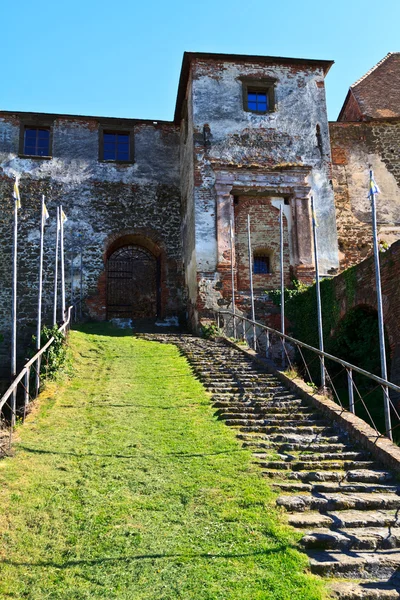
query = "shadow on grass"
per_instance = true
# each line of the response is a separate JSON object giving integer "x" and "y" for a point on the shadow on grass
{"x": 189, "y": 455}
{"x": 87, "y": 454}
{"x": 190, "y": 556}
{"x": 74, "y": 454}
{"x": 103, "y": 329}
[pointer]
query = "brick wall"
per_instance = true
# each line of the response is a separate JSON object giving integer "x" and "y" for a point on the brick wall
{"x": 365, "y": 295}
{"x": 354, "y": 147}
{"x": 264, "y": 228}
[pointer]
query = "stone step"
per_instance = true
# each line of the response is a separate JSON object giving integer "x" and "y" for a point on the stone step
{"x": 368, "y": 538}
{"x": 380, "y": 565}
{"x": 333, "y": 487}
{"x": 306, "y": 476}
{"x": 328, "y": 465}
{"x": 315, "y": 430}
{"x": 336, "y": 502}
{"x": 345, "y": 519}
{"x": 318, "y": 456}
{"x": 293, "y": 438}
{"x": 235, "y": 407}
{"x": 371, "y": 590}
{"x": 293, "y": 447}
{"x": 237, "y": 419}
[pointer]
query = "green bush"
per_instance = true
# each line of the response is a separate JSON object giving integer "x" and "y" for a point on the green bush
{"x": 55, "y": 358}
{"x": 210, "y": 331}
{"x": 296, "y": 288}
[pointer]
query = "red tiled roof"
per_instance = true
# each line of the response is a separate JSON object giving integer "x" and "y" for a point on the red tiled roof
{"x": 377, "y": 93}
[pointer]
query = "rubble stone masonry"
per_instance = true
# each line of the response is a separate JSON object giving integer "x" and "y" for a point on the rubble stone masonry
{"x": 356, "y": 146}
{"x": 137, "y": 202}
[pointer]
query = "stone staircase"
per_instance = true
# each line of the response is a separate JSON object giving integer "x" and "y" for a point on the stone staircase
{"x": 346, "y": 504}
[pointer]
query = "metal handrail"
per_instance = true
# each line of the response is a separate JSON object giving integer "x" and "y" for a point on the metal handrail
{"x": 344, "y": 363}
{"x": 31, "y": 361}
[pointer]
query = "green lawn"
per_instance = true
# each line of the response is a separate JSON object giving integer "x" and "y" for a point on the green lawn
{"x": 124, "y": 485}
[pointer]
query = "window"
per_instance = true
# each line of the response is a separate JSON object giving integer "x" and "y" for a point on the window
{"x": 319, "y": 137}
{"x": 258, "y": 96}
{"x": 257, "y": 100}
{"x": 261, "y": 264}
{"x": 116, "y": 146}
{"x": 36, "y": 141}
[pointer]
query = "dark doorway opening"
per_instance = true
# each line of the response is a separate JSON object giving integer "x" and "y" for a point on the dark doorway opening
{"x": 133, "y": 284}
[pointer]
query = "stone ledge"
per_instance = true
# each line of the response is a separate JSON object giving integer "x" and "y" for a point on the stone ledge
{"x": 381, "y": 448}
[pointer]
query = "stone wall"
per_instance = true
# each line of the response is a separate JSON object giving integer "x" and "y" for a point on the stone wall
{"x": 355, "y": 146}
{"x": 104, "y": 202}
{"x": 363, "y": 293}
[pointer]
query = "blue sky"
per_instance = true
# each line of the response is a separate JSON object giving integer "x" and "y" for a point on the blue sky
{"x": 123, "y": 58}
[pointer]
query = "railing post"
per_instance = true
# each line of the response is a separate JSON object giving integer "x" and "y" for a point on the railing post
{"x": 26, "y": 402}
{"x": 218, "y": 321}
{"x": 13, "y": 407}
{"x": 351, "y": 390}
{"x": 267, "y": 349}
{"x": 38, "y": 365}
{"x": 388, "y": 421}
{"x": 234, "y": 327}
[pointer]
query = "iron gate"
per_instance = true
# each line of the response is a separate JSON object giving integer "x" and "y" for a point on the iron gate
{"x": 132, "y": 283}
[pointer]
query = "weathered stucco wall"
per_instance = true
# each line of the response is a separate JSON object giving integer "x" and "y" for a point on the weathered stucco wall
{"x": 277, "y": 152}
{"x": 356, "y": 147}
{"x": 188, "y": 211}
{"x": 103, "y": 201}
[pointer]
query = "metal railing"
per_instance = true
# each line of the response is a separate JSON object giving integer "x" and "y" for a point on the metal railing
{"x": 8, "y": 399}
{"x": 293, "y": 353}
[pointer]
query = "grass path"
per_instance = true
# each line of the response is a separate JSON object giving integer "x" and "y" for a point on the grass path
{"x": 124, "y": 485}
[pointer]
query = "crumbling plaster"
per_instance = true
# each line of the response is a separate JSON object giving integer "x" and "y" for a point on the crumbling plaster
{"x": 286, "y": 136}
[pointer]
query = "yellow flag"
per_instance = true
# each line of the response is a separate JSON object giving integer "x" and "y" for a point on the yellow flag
{"x": 16, "y": 194}
{"x": 45, "y": 212}
{"x": 63, "y": 216}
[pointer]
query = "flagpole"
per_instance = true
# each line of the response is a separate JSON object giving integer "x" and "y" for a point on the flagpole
{"x": 382, "y": 349}
{"x": 39, "y": 318}
{"x": 56, "y": 270}
{"x": 253, "y": 315}
{"x": 233, "y": 280}
{"x": 62, "y": 263}
{"x": 14, "y": 313}
{"x": 72, "y": 268}
{"x": 282, "y": 281}
{"x": 318, "y": 290}
{"x": 81, "y": 280}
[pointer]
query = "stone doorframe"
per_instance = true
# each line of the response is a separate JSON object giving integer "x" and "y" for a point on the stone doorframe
{"x": 284, "y": 182}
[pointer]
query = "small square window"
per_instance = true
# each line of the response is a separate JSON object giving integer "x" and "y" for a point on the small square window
{"x": 36, "y": 141}
{"x": 116, "y": 146}
{"x": 257, "y": 100}
{"x": 261, "y": 264}
{"x": 258, "y": 96}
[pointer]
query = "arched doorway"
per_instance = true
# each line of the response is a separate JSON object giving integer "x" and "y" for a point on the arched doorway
{"x": 133, "y": 283}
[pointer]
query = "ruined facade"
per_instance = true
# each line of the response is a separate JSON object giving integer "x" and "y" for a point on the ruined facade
{"x": 367, "y": 133}
{"x": 236, "y": 161}
{"x": 150, "y": 204}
